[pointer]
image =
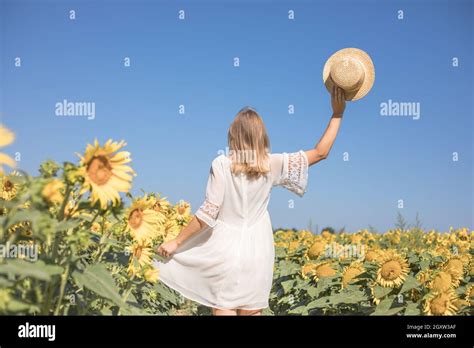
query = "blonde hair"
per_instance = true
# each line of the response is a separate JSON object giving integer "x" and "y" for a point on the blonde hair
{"x": 249, "y": 144}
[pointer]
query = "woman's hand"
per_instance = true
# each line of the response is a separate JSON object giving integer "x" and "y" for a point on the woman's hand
{"x": 167, "y": 249}
{"x": 338, "y": 101}
{"x": 322, "y": 148}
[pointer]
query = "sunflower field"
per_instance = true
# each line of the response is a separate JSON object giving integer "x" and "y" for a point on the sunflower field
{"x": 400, "y": 272}
{"x": 74, "y": 241}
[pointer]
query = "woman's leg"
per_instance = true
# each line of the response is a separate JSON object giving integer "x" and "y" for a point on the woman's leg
{"x": 216, "y": 311}
{"x": 249, "y": 312}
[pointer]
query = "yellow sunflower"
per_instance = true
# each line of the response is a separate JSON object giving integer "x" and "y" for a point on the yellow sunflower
{"x": 376, "y": 300}
{"x": 8, "y": 189}
{"x": 284, "y": 235}
{"x": 53, "y": 191}
{"x": 304, "y": 234}
{"x": 440, "y": 303}
{"x": 161, "y": 205}
{"x": 172, "y": 230}
{"x": 315, "y": 250}
{"x": 424, "y": 276}
{"x": 281, "y": 244}
{"x": 323, "y": 270}
{"x": 372, "y": 255}
{"x": 6, "y": 138}
{"x": 105, "y": 172}
{"x": 143, "y": 222}
{"x": 308, "y": 269}
{"x": 356, "y": 238}
{"x": 328, "y": 236}
{"x": 441, "y": 282}
{"x": 97, "y": 226}
{"x": 23, "y": 228}
{"x": 140, "y": 257}
{"x": 350, "y": 272}
{"x": 305, "y": 237}
{"x": 392, "y": 270}
{"x": 293, "y": 245}
{"x": 470, "y": 294}
{"x": 151, "y": 275}
{"x": 182, "y": 211}
{"x": 455, "y": 266}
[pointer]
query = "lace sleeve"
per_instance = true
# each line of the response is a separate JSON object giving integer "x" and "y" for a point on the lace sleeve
{"x": 209, "y": 209}
{"x": 208, "y": 212}
{"x": 295, "y": 172}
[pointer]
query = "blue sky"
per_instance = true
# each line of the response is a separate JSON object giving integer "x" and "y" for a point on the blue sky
{"x": 190, "y": 62}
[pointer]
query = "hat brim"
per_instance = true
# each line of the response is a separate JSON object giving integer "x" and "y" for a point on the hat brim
{"x": 367, "y": 65}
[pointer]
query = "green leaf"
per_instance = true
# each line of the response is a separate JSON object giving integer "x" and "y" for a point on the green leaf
{"x": 461, "y": 290}
{"x": 413, "y": 259}
{"x": 288, "y": 268}
{"x": 299, "y": 310}
{"x": 409, "y": 283}
{"x": 280, "y": 253}
{"x": 322, "y": 285}
{"x": 267, "y": 311}
{"x": 412, "y": 309}
{"x": 98, "y": 279}
{"x": 380, "y": 291}
{"x": 5, "y": 283}
{"x": 17, "y": 306}
{"x": 350, "y": 297}
{"x": 424, "y": 264}
{"x": 166, "y": 294}
{"x": 287, "y": 285}
{"x": 319, "y": 303}
{"x": 384, "y": 308}
{"x": 68, "y": 224}
{"x": 38, "y": 270}
{"x": 24, "y": 215}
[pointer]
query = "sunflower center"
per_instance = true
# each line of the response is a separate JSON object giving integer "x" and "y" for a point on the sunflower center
{"x": 99, "y": 170}
{"x": 181, "y": 210}
{"x": 8, "y": 186}
{"x": 391, "y": 270}
{"x": 135, "y": 218}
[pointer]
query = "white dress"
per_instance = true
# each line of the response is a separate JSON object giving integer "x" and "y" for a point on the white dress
{"x": 229, "y": 265}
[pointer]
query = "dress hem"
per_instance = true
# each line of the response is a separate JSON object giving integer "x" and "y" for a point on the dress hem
{"x": 184, "y": 292}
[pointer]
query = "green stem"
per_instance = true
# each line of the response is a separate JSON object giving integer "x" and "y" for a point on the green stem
{"x": 64, "y": 203}
{"x": 96, "y": 216}
{"x": 126, "y": 293}
{"x": 63, "y": 285}
{"x": 39, "y": 295}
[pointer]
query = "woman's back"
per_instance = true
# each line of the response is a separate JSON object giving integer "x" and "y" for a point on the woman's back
{"x": 239, "y": 201}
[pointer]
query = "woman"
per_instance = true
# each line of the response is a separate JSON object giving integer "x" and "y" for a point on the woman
{"x": 224, "y": 257}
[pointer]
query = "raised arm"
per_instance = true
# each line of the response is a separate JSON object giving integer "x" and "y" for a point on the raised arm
{"x": 322, "y": 148}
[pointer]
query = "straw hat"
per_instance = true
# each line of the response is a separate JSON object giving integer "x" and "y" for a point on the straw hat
{"x": 352, "y": 70}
